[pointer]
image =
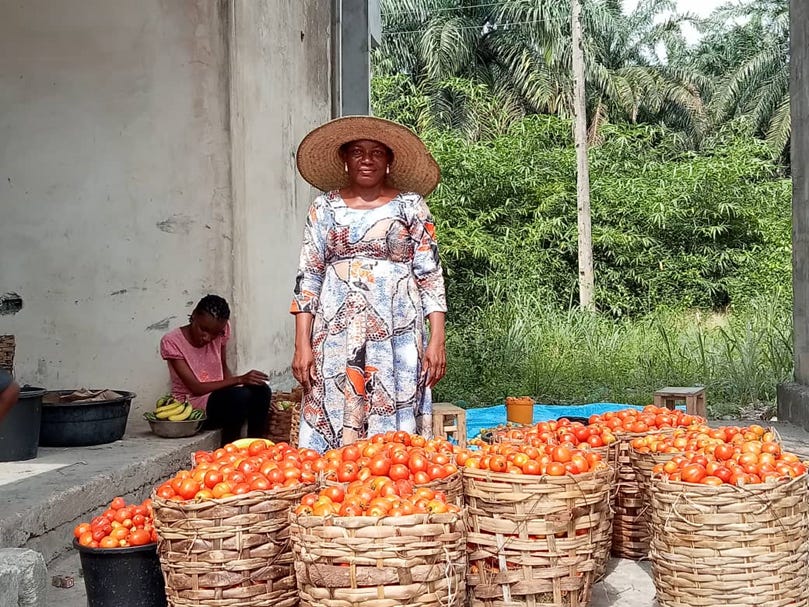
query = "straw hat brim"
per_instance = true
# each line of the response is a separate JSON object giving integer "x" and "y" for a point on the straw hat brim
{"x": 413, "y": 168}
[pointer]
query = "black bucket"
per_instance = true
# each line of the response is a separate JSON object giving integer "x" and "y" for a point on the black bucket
{"x": 19, "y": 430}
{"x": 84, "y": 424}
{"x": 122, "y": 577}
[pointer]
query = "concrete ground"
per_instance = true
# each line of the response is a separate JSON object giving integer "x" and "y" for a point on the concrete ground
{"x": 41, "y": 501}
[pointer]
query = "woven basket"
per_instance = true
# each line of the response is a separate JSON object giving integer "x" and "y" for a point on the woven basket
{"x": 730, "y": 545}
{"x": 630, "y": 532}
{"x": 452, "y": 486}
{"x": 7, "y": 348}
{"x": 417, "y": 560}
{"x": 279, "y": 421}
{"x": 229, "y": 552}
{"x": 534, "y": 540}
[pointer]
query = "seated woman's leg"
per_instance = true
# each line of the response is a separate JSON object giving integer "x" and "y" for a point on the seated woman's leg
{"x": 228, "y": 409}
{"x": 257, "y": 408}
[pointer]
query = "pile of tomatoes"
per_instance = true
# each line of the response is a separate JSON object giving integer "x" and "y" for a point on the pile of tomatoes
{"x": 699, "y": 437}
{"x": 395, "y": 455}
{"x": 649, "y": 418}
{"x": 561, "y": 431}
{"x": 235, "y": 471}
{"x": 732, "y": 455}
{"x": 376, "y": 496}
{"x": 119, "y": 526}
{"x": 553, "y": 460}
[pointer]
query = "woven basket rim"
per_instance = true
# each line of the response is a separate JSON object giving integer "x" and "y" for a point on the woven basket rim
{"x": 507, "y": 477}
{"x": 669, "y": 485}
{"x": 277, "y": 493}
{"x": 373, "y": 521}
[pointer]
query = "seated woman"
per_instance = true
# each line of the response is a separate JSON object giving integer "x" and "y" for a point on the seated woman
{"x": 197, "y": 359}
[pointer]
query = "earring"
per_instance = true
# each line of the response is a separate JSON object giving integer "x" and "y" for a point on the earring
{"x": 345, "y": 167}
{"x": 387, "y": 171}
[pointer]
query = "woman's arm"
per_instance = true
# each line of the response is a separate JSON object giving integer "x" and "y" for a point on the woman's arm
{"x": 196, "y": 387}
{"x": 435, "y": 358}
{"x": 303, "y": 362}
{"x": 225, "y": 369}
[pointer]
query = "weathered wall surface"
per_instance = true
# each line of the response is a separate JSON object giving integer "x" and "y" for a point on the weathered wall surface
{"x": 280, "y": 89}
{"x": 115, "y": 203}
{"x": 147, "y": 158}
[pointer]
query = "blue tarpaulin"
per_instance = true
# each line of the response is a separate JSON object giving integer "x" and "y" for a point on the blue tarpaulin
{"x": 491, "y": 417}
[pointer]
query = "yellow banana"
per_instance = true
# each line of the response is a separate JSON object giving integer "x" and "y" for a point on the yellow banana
{"x": 183, "y": 415}
{"x": 167, "y": 412}
{"x": 163, "y": 400}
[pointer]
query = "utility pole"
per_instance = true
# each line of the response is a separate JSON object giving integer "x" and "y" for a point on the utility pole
{"x": 586, "y": 279}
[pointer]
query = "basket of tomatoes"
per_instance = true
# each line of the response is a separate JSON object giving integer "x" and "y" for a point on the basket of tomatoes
{"x": 398, "y": 456}
{"x": 223, "y": 526}
{"x": 538, "y": 523}
{"x": 630, "y": 538}
{"x": 742, "y": 508}
{"x": 379, "y": 543}
{"x": 118, "y": 553}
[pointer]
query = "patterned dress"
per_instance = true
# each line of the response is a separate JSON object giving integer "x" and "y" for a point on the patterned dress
{"x": 370, "y": 277}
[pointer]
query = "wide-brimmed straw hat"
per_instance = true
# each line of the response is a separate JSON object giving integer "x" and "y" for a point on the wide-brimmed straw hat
{"x": 413, "y": 168}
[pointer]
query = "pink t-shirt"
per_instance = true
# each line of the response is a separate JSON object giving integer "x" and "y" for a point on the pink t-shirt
{"x": 205, "y": 362}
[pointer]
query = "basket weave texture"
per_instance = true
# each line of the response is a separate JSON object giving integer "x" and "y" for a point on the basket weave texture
{"x": 535, "y": 540}
{"x": 642, "y": 464}
{"x": 7, "y": 348}
{"x": 228, "y": 552}
{"x": 417, "y": 560}
{"x": 630, "y": 531}
{"x": 279, "y": 421}
{"x": 729, "y": 545}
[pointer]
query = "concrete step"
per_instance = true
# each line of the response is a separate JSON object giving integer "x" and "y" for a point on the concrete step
{"x": 43, "y": 499}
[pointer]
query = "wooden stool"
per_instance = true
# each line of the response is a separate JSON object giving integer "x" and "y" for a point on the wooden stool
{"x": 449, "y": 422}
{"x": 694, "y": 399}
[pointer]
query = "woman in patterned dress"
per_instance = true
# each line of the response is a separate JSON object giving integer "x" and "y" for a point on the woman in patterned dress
{"x": 369, "y": 276}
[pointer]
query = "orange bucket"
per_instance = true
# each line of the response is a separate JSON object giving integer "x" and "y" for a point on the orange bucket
{"x": 520, "y": 410}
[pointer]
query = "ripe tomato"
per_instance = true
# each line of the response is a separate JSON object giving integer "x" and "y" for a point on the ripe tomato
{"x": 188, "y": 489}
{"x": 109, "y": 542}
{"x": 139, "y": 537}
{"x": 693, "y": 473}
{"x": 347, "y": 471}
{"x": 561, "y": 455}
{"x": 117, "y": 503}
{"x": 556, "y": 469}
{"x": 351, "y": 453}
{"x": 379, "y": 465}
{"x": 335, "y": 493}
{"x": 497, "y": 463}
{"x": 418, "y": 462}
{"x": 398, "y": 472}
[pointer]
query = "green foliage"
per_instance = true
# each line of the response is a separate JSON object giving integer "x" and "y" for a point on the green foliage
{"x": 670, "y": 227}
{"x": 527, "y": 347}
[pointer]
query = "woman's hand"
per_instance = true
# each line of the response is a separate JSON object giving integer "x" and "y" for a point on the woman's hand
{"x": 434, "y": 363}
{"x": 253, "y": 378}
{"x": 303, "y": 365}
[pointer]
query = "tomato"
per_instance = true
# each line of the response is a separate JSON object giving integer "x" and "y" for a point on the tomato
{"x": 188, "y": 489}
{"x": 418, "y": 462}
{"x": 351, "y": 453}
{"x": 139, "y": 537}
{"x": 335, "y": 493}
{"x": 109, "y": 542}
{"x": 556, "y": 469}
{"x": 497, "y": 464}
{"x": 561, "y": 454}
{"x": 399, "y": 472}
{"x": 347, "y": 472}
{"x": 693, "y": 473}
{"x": 379, "y": 465}
{"x": 117, "y": 503}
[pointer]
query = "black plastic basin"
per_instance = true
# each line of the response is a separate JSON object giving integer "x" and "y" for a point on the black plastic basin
{"x": 19, "y": 430}
{"x": 122, "y": 577}
{"x": 84, "y": 424}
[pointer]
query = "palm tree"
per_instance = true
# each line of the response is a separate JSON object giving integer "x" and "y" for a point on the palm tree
{"x": 521, "y": 51}
{"x": 750, "y": 41}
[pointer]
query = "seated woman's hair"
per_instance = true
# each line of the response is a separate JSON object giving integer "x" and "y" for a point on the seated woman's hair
{"x": 215, "y": 306}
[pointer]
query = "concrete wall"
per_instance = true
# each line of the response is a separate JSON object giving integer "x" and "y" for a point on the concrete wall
{"x": 793, "y": 399}
{"x": 117, "y": 205}
{"x": 280, "y": 89}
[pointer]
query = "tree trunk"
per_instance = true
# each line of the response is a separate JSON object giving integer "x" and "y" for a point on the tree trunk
{"x": 586, "y": 279}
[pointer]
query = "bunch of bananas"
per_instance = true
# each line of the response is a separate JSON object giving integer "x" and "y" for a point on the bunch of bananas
{"x": 169, "y": 408}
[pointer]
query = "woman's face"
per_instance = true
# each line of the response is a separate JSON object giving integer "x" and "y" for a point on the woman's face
{"x": 205, "y": 328}
{"x": 367, "y": 162}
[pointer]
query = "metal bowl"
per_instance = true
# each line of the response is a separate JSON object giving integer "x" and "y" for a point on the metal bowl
{"x": 169, "y": 429}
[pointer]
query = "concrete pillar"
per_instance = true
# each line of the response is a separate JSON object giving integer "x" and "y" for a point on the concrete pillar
{"x": 23, "y": 578}
{"x": 793, "y": 399}
{"x": 280, "y": 69}
{"x": 359, "y": 22}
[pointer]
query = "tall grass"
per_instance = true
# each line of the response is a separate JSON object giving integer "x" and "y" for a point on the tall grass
{"x": 525, "y": 347}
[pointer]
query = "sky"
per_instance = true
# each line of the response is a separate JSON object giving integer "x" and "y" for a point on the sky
{"x": 701, "y": 8}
